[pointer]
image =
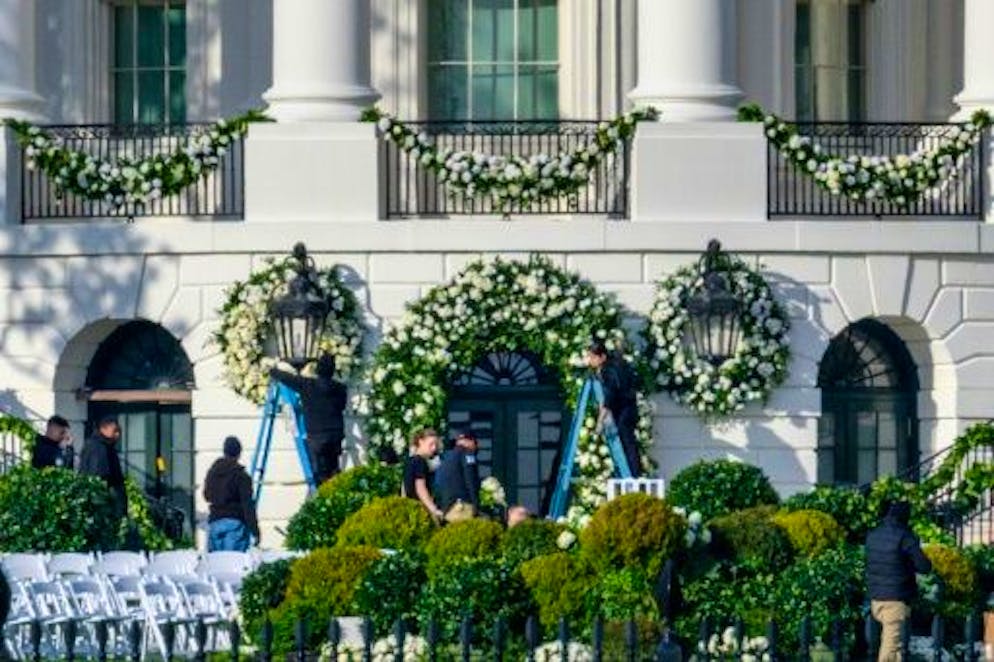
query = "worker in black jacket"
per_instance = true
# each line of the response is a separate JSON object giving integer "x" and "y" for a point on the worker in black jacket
{"x": 99, "y": 458}
{"x": 457, "y": 480}
{"x": 620, "y": 383}
{"x": 54, "y": 448}
{"x": 228, "y": 490}
{"x": 323, "y": 399}
{"x": 893, "y": 556}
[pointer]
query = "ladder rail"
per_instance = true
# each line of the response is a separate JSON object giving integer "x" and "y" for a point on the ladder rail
{"x": 279, "y": 394}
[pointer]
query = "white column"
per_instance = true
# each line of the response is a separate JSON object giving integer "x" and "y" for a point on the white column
{"x": 978, "y": 56}
{"x": 686, "y": 51}
{"x": 18, "y": 97}
{"x": 320, "y": 60}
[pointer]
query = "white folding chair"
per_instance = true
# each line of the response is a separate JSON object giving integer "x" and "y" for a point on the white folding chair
{"x": 204, "y": 603}
{"x": 15, "y": 630}
{"x": 70, "y": 563}
{"x": 164, "y": 605}
{"x": 93, "y": 605}
{"x": 652, "y": 486}
{"x": 52, "y": 611}
{"x": 227, "y": 562}
{"x": 271, "y": 555}
{"x": 120, "y": 564}
{"x": 178, "y": 564}
{"x": 25, "y": 567}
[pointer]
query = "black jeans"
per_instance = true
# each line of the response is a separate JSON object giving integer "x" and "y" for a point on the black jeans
{"x": 324, "y": 452}
{"x": 626, "y": 420}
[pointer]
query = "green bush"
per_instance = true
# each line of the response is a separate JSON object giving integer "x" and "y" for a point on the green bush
{"x": 811, "y": 532}
{"x": 321, "y": 585}
{"x": 263, "y": 589}
{"x": 55, "y": 510}
{"x": 139, "y": 524}
{"x": 388, "y": 522}
{"x": 982, "y": 557}
{"x": 530, "y": 539}
{"x": 316, "y": 523}
{"x": 847, "y": 506}
{"x": 923, "y": 519}
{"x": 562, "y": 585}
{"x": 626, "y": 595}
{"x": 718, "y": 487}
{"x": 751, "y": 540}
{"x": 472, "y": 539}
{"x": 723, "y": 596}
{"x": 390, "y": 590}
{"x": 960, "y": 589}
{"x": 633, "y": 531}
{"x": 481, "y": 589}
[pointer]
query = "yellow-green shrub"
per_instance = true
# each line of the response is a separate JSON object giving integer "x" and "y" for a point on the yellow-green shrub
{"x": 959, "y": 579}
{"x": 474, "y": 538}
{"x": 562, "y": 585}
{"x": 750, "y": 539}
{"x": 388, "y": 522}
{"x": 633, "y": 531}
{"x": 811, "y": 532}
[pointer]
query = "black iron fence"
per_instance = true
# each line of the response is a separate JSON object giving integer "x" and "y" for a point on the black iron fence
{"x": 410, "y": 190}
{"x": 199, "y": 639}
{"x": 792, "y": 191}
{"x": 219, "y": 193}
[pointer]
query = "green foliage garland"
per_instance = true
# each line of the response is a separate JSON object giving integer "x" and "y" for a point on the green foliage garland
{"x": 513, "y": 180}
{"x": 130, "y": 180}
{"x": 20, "y": 428}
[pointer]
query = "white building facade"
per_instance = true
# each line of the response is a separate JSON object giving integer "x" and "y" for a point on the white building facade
{"x": 101, "y": 316}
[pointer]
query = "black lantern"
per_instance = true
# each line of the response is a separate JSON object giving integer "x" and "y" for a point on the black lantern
{"x": 299, "y": 316}
{"x": 714, "y": 311}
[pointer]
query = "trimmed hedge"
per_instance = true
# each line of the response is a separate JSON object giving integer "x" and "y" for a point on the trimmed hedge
{"x": 388, "y": 523}
{"x": 750, "y": 539}
{"x": 719, "y": 487}
{"x": 847, "y": 506}
{"x": 390, "y": 589}
{"x": 633, "y": 531}
{"x": 563, "y": 586}
{"x": 472, "y": 539}
{"x": 811, "y": 532}
{"x": 530, "y": 539}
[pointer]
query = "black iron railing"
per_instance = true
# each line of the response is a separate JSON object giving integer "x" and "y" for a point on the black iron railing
{"x": 791, "y": 191}
{"x": 12, "y": 451}
{"x": 219, "y": 193}
{"x": 410, "y": 190}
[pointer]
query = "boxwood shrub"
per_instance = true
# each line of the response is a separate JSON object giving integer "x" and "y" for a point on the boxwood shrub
{"x": 750, "y": 540}
{"x": 388, "y": 522}
{"x": 633, "y": 531}
{"x": 391, "y": 589}
{"x": 530, "y": 539}
{"x": 811, "y": 532}
{"x": 847, "y": 506}
{"x": 718, "y": 487}
{"x": 263, "y": 589}
{"x": 471, "y": 539}
{"x": 562, "y": 586}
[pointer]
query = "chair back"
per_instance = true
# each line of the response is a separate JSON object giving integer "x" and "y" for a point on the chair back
{"x": 25, "y": 567}
{"x": 70, "y": 563}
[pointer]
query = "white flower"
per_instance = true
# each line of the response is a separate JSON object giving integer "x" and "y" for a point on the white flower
{"x": 565, "y": 540}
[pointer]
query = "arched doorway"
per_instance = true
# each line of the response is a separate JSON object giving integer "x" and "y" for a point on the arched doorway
{"x": 141, "y": 374}
{"x": 869, "y": 422}
{"x": 515, "y": 409}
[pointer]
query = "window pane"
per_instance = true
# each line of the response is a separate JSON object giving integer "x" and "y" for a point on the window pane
{"x": 151, "y": 44}
{"x": 448, "y": 97}
{"x": 802, "y": 34}
{"x": 177, "y": 97}
{"x": 538, "y": 92}
{"x": 493, "y": 30}
{"x": 447, "y": 30}
{"x": 151, "y": 97}
{"x": 123, "y": 30}
{"x": 493, "y": 92}
{"x": 855, "y": 93}
{"x": 177, "y": 36}
{"x": 867, "y": 467}
{"x": 124, "y": 97}
{"x": 538, "y": 31}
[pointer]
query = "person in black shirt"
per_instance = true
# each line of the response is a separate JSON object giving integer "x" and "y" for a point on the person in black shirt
{"x": 323, "y": 399}
{"x": 228, "y": 490}
{"x": 458, "y": 476}
{"x": 417, "y": 472}
{"x": 54, "y": 448}
{"x": 99, "y": 458}
{"x": 619, "y": 381}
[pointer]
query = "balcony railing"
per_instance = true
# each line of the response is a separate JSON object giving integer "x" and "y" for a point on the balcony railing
{"x": 409, "y": 190}
{"x": 793, "y": 192}
{"x": 218, "y": 194}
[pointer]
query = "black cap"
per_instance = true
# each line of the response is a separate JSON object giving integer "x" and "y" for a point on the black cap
{"x": 107, "y": 420}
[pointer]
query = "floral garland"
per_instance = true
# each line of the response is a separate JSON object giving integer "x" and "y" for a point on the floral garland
{"x": 759, "y": 365}
{"x": 900, "y": 179}
{"x": 130, "y": 180}
{"x": 513, "y": 180}
{"x": 246, "y": 326}
{"x": 494, "y": 305}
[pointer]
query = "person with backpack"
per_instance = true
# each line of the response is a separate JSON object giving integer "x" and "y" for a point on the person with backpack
{"x": 620, "y": 402}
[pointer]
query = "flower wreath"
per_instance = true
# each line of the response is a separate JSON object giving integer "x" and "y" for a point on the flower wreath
{"x": 900, "y": 179}
{"x": 513, "y": 180}
{"x": 494, "y": 305}
{"x": 246, "y": 327}
{"x": 130, "y": 180}
{"x": 759, "y": 365}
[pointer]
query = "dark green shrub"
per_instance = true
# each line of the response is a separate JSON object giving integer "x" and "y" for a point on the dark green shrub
{"x": 139, "y": 524}
{"x": 562, "y": 586}
{"x": 321, "y": 585}
{"x": 483, "y": 590}
{"x": 633, "y": 531}
{"x": 472, "y": 539}
{"x": 316, "y": 523}
{"x": 924, "y": 520}
{"x": 388, "y": 523}
{"x": 626, "y": 594}
{"x": 530, "y": 539}
{"x": 751, "y": 541}
{"x": 390, "y": 590}
{"x": 718, "y": 487}
{"x": 724, "y": 596}
{"x": 982, "y": 557}
{"x": 263, "y": 589}
{"x": 811, "y": 532}
{"x": 55, "y": 510}
{"x": 848, "y": 506}
{"x": 960, "y": 589}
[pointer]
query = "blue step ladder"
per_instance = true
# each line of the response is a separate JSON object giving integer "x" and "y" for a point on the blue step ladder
{"x": 564, "y": 480}
{"x": 279, "y": 395}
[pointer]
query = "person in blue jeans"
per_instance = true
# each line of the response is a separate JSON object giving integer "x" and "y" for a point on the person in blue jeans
{"x": 228, "y": 490}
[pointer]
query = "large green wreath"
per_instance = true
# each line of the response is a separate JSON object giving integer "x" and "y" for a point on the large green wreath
{"x": 759, "y": 365}
{"x": 246, "y": 327}
{"x": 494, "y": 305}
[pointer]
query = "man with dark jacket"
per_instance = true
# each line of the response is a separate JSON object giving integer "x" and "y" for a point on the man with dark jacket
{"x": 228, "y": 490}
{"x": 99, "y": 458}
{"x": 323, "y": 399}
{"x": 620, "y": 383}
{"x": 54, "y": 448}
{"x": 457, "y": 480}
{"x": 893, "y": 556}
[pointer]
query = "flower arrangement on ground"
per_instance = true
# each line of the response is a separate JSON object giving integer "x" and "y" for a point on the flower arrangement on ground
{"x": 246, "y": 326}
{"x": 756, "y": 368}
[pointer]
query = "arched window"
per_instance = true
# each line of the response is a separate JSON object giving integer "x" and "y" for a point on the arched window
{"x": 830, "y": 60}
{"x": 514, "y": 407}
{"x": 869, "y": 425}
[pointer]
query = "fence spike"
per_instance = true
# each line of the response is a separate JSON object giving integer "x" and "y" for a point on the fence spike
{"x": 432, "y": 636}
{"x": 499, "y": 639}
{"x": 134, "y": 641}
{"x": 838, "y": 639}
{"x": 972, "y": 635}
{"x": 334, "y": 636}
{"x": 200, "y": 638}
{"x": 631, "y": 640}
{"x": 300, "y": 639}
{"x": 668, "y": 650}
{"x": 34, "y": 634}
{"x": 399, "y": 634}
{"x": 704, "y": 638}
{"x": 466, "y": 637}
{"x": 367, "y": 639}
{"x": 804, "y": 639}
{"x": 266, "y": 641}
{"x": 598, "y": 639}
{"x": 563, "y": 638}
{"x": 531, "y": 637}
{"x": 773, "y": 638}
{"x": 664, "y": 591}
{"x": 169, "y": 637}
{"x": 69, "y": 635}
{"x": 905, "y": 638}
{"x": 739, "y": 629}
{"x": 937, "y": 637}
{"x": 235, "y": 633}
